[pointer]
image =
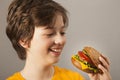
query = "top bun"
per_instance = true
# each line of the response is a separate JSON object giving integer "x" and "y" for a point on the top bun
{"x": 94, "y": 55}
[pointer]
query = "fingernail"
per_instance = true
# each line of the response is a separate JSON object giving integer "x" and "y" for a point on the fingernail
{"x": 99, "y": 65}
{"x": 100, "y": 58}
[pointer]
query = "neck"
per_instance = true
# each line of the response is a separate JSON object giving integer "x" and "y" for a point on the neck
{"x": 37, "y": 72}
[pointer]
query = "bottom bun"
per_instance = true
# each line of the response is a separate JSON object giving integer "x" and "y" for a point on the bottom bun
{"x": 79, "y": 66}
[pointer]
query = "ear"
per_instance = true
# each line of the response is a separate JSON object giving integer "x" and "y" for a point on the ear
{"x": 23, "y": 43}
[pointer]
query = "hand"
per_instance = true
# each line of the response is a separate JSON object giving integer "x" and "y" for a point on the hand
{"x": 104, "y": 66}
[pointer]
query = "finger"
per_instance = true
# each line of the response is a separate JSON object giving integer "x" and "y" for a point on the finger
{"x": 102, "y": 68}
{"x": 104, "y": 63}
{"x": 93, "y": 76}
{"x": 106, "y": 59}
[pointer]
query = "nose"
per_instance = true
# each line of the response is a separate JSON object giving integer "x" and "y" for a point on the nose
{"x": 59, "y": 39}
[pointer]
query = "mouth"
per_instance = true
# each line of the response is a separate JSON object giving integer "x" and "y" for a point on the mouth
{"x": 55, "y": 51}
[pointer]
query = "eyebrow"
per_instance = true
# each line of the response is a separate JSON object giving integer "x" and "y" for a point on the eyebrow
{"x": 62, "y": 27}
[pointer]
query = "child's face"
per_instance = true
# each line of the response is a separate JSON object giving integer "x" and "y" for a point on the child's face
{"x": 47, "y": 44}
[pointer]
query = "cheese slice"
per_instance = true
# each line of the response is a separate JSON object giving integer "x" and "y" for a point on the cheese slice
{"x": 82, "y": 64}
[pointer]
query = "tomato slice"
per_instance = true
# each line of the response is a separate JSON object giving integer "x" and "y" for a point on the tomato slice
{"x": 84, "y": 57}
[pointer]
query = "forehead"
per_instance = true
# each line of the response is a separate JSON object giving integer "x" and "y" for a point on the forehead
{"x": 57, "y": 23}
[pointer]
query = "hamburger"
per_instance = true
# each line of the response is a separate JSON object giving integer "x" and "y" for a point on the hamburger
{"x": 87, "y": 60}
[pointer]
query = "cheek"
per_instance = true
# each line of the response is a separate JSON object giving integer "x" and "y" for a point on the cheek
{"x": 38, "y": 44}
{"x": 64, "y": 40}
{"x": 40, "y": 48}
{"x": 45, "y": 44}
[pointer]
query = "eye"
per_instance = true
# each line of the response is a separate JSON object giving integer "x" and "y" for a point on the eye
{"x": 50, "y": 34}
{"x": 63, "y": 33}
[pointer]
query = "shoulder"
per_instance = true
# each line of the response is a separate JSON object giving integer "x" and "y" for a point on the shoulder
{"x": 15, "y": 76}
{"x": 67, "y": 73}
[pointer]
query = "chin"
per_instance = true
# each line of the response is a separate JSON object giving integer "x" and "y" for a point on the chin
{"x": 54, "y": 61}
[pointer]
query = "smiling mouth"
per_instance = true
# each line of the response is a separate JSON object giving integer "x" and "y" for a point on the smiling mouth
{"x": 56, "y": 51}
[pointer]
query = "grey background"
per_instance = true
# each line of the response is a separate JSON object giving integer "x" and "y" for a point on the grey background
{"x": 92, "y": 22}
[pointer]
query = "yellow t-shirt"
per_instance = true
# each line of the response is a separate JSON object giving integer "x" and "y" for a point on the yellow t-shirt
{"x": 59, "y": 74}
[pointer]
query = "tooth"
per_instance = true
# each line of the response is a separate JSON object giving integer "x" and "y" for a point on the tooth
{"x": 57, "y": 50}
